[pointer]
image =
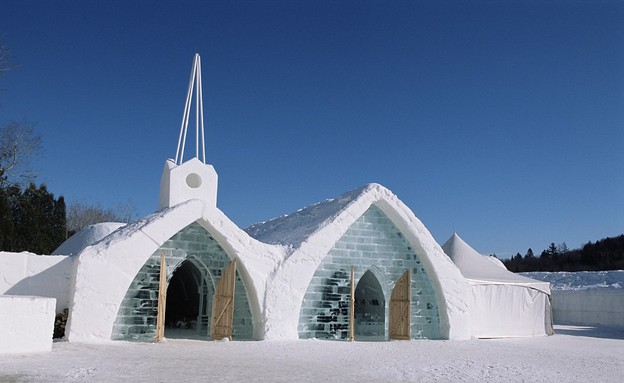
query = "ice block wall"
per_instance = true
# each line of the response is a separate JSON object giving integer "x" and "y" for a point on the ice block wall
{"x": 372, "y": 243}
{"x": 136, "y": 319}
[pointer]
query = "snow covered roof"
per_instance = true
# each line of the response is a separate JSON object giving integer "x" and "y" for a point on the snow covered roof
{"x": 479, "y": 269}
{"x": 87, "y": 237}
{"x": 293, "y": 229}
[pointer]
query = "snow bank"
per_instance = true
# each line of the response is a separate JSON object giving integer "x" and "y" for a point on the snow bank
{"x": 26, "y": 324}
{"x": 581, "y": 280}
{"x": 42, "y": 275}
{"x": 589, "y": 307}
{"x": 586, "y": 297}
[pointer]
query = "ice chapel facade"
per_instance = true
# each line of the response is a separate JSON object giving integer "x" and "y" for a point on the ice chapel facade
{"x": 292, "y": 284}
{"x": 360, "y": 266}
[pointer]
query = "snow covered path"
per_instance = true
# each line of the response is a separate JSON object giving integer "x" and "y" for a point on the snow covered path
{"x": 560, "y": 358}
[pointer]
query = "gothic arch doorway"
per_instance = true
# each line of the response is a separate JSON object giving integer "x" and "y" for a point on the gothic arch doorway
{"x": 189, "y": 296}
{"x": 191, "y": 287}
{"x": 370, "y": 309}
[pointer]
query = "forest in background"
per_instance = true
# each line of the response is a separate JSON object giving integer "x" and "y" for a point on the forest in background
{"x": 605, "y": 254}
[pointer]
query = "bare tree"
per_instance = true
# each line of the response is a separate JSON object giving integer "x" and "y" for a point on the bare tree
{"x": 18, "y": 140}
{"x": 6, "y": 62}
{"x": 18, "y": 144}
{"x": 81, "y": 215}
{"x": 126, "y": 211}
{"x": 5, "y": 58}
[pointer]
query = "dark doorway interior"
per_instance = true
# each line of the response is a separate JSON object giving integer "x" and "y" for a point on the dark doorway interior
{"x": 183, "y": 301}
{"x": 370, "y": 309}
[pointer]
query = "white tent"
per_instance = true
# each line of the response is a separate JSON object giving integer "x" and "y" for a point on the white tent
{"x": 503, "y": 304}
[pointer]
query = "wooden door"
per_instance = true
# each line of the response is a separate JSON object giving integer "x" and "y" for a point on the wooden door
{"x": 223, "y": 304}
{"x": 162, "y": 300}
{"x": 400, "y": 302}
{"x": 352, "y": 306}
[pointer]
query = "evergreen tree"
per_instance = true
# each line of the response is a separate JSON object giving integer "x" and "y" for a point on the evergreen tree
{"x": 6, "y": 221}
{"x": 552, "y": 249}
{"x": 606, "y": 254}
{"x": 35, "y": 221}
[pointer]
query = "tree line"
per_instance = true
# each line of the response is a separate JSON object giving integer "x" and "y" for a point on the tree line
{"x": 31, "y": 219}
{"x": 605, "y": 254}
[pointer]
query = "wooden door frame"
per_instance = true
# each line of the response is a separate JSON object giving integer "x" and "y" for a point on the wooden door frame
{"x": 400, "y": 307}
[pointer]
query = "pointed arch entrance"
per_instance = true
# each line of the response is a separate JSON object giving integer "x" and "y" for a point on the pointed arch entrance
{"x": 371, "y": 244}
{"x": 189, "y": 296}
{"x": 370, "y": 309}
{"x": 195, "y": 263}
{"x": 183, "y": 297}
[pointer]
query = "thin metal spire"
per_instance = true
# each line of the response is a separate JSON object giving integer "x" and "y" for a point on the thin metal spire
{"x": 194, "y": 84}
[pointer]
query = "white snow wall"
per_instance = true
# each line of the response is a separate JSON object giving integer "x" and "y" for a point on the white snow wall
{"x": 26, "y": 324}
{"x": 588, "y": 307}
{"x": 40, "y": 275}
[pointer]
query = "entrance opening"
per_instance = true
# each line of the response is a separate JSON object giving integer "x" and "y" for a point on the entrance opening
{"x": 191, "y": 287}
{"x": 370, "y": 309}
{"x": 184, "y": 302}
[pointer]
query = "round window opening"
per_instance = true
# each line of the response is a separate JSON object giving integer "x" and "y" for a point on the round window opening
{"x": 193, "y": 180}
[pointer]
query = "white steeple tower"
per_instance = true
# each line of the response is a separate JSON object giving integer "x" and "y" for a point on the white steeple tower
{"x": 193, "y": 179}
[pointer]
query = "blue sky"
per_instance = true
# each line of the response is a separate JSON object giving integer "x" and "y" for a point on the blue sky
{"x": 501, "y": 120}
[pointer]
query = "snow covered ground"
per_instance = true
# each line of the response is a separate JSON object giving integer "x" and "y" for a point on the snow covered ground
{"x": 575, "y": 354}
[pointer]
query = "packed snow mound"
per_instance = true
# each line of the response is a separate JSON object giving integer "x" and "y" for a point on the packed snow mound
{"x": 87, "y": 237}
{"x": 481, "y": 269}
{"x": 293, "y": 229}
{"x": 581, "y": 280}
